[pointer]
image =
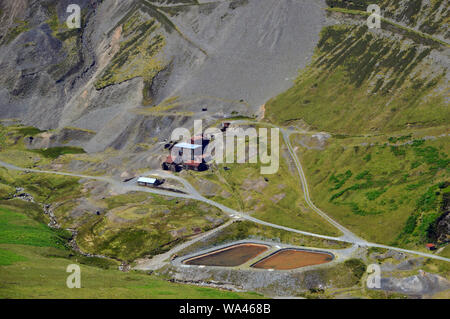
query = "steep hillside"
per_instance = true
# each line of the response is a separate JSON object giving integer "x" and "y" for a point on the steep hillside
{"x": 137, "y": 69}
{"x": 364, "y": 81}
{"x": 27, "y": 243}
{"x": 382, "y": 95}
{"x": 366, "y": 111}
{"x": 431, "y": 17}
{"x": 387, "y": 189}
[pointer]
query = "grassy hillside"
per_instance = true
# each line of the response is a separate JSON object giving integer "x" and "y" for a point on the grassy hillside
{"x": 33, "y": 262}
{"x": 14, "y": 31}
{"x": 17, "y": 228}
{"x": 13, "y": 148}
{"x": 388, "y": 189}
{"x": 430, "y": 17}
{"x": 383, "y": 96}
{"x": 140, "y": 44}
{"x": 71, "y": 40}
{"x": 45, "y": 188}
{"x": 361, "y": 81}
{"x": 130, "y": 225}
{"x": 277, "y": 198}
{"x": 138, "y": 225}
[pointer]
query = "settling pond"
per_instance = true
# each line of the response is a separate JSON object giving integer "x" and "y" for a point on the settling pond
{"x": 287, "y": 259}
{"x": 231, "y": 256}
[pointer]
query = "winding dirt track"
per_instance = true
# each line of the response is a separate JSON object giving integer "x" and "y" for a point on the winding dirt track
{"x": 348, "y": 237}
{"x": 347, "y": 234}
{"x": 160, "y": 261}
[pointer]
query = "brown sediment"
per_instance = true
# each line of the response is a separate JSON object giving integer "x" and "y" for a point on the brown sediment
{"x": 288, "y": 259}
{"x": 231, "y": 256}
{"x": 111, "y": 49}
{"x": 263, "y": 112}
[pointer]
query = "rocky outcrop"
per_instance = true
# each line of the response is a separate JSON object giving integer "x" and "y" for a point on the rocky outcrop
{"x": 421, "y": 284}
{"x": 443, "y": 228}
{"x": 439, "y": 232}
{"x": 66, "y": 136}
{"x": 270, "y": 283}
{"x": 225, "y": 57}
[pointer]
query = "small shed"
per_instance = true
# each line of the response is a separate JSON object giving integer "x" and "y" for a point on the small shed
{"x": 431, "y": 246}
{"x": 147, "y": 181}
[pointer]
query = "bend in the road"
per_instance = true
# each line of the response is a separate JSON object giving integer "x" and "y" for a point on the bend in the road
{"x": 229, "y": 211}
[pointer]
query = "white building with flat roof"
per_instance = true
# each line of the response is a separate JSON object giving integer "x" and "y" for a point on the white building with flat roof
{"x": 146, "y": 181}
{"x": 188, "y": 146}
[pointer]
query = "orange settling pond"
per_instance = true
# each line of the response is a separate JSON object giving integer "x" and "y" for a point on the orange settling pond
{"x": 228, "y": 257}
{"x": 288, "y": 259}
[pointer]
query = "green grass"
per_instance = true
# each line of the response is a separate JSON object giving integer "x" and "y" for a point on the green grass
{"x": 437, "y": 266}
{"x": 358, "y": 83}
{"x": 278, "y": 200}
{"x": 139, "y": 224}
{"x": 343, "y": 275}
{"x": 55, "y": 152}
{"x": 45, "y": 277}
{"x": 62, "y": 192}
{"x": 17, "y": 228}
{"x": 428, "y": 19}
{"x": 446, "y": 251}
{"x": 29, "y": 131}
{"x": 6, "y": 191}
{"x": 70, "y": 40}
{"x": 384, "y": 198}
{"x": 417, "y": 36}
{"x": 45, "y": 188}
{"x": 13, "y": 146}
{"x": 13, "y": 32}
{"x": 357, "y": 267}
{"x": 48, "y": 188}
{"x": 133, "y": 225}
{"x": 53, "y": 21}
{"x": 122, "y": 200}
{"x": 137, "y": 56}
{"x": 8, "y": 258}
{"x": 34, "y": 258}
